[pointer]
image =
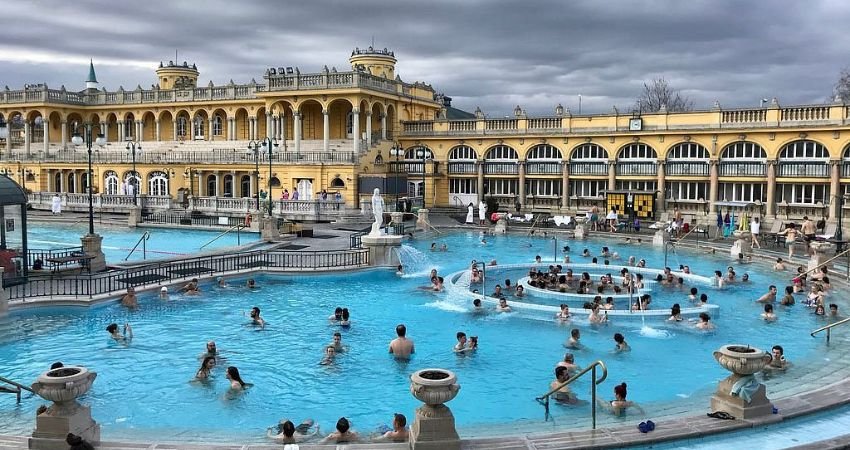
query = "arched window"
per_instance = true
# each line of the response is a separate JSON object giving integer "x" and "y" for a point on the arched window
{"x": 589, "y": 152}
{"x": 463, "y": 153}
{"x": 84, "y": 182}
{"x": 199, "y": 127}
{"x": 501, "y": 153}
{"x": 57, "y": 182}
{"x": 111, "y": 183}
{"x": 132, "y": 178}
{"x": 337, "y": 183}
{"x": 688, "y": 151}
{"x": 158, "y": 184}
{"x": 743, "y": 151}
{"x": 804, "y": 151}
{"x": 212, "y": 185}
{"x": 129, "y": 126}
{"x": 379, "y": 160}
{"x": 245, "y": 186}
{"x": 228, "y": 185}
{"x": 637, "y": 152}
{"x": 72, "y": 183}
{"x": 217, "y": 126}
{"x": 545, "y": 152}
{"x": 181, "y": 126}
{"x": 415, "y": 153}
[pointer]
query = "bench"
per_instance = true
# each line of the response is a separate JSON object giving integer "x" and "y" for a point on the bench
{"x": 83, "y": 260}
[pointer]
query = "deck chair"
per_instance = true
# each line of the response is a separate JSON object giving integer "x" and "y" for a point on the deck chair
{"x": 828, "y": 232}
{"x": 773, "y": 233}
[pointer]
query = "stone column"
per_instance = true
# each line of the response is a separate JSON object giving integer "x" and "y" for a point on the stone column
{"x": 297, "y": 126}
{"x": 835, "y": 194}
{"x": 771, "y": 188}
{"x": 713, "y": 185}
{"x": 105, "y": 127}
{"x": 217, "y": 184}
{"x": 612, "y": 176}
{"x": 479, "y": 166}
{"x": 521, "y": 188}
{"x": 269, "y": 130}
{"x": 250, "y": 128}
{"x": 158, "y": 136}
{"x": 140, "y": 134}
{"x": 27, "y": 136}
{"x": 210, "y": 129}
{"x": 368, "y": 130}
{"x": 326, "y": 130}
{"x": 662, "y": 184}
{"x": 45, "y": 127}
{"x": 9, "y": 142}
{"x": 120, "y": 125}
{"x": 565, "y": 185}
{"x": 355, "y": 122}
{"x": 64, "y": 125}
{"x": 191, "y": 130}
{"x": 174, "y": 130}
{"x": 383, "y": 126}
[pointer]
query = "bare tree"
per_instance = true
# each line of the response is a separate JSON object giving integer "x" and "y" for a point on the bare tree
{"x": 842, "y": 87}
{"x": 657, "y": 93}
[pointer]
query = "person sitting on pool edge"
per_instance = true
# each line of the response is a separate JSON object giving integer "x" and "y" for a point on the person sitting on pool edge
{"x": 288, "y": 433}
{"x": 563, "y": 394}
{"x": 342, "y": 434}
{"x": 112, "y": 329}
{"x": 398, "y": 433}
{"x": 619, "y": 405}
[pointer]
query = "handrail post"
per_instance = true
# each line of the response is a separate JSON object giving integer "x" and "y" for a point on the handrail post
{"x": 828, "y": 330}
{"x": 593, "y": 397}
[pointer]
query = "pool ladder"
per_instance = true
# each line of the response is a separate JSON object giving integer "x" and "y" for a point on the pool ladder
{"x": 238, "y": 228}
{"x": 15, "y": 388}
{"x": 544, "y": 399}
{"x": 143, "y": 241}
{"x": 829, "y": 327}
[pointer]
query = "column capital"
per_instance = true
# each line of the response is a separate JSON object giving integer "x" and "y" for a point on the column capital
{"x": 355, "y": 110}
{"x": 325, "y": 112}
{"x": 835, "y": 162}
{"x": 269, "y": 113}
{"x": 771, "y": 162}
{"x": 296, "y": 113}
{"x": 368, "y": 113}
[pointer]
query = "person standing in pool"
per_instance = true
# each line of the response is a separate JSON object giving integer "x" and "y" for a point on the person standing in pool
{"x": 191, "y": 287}
{"x": 399, "y": 432}
{"x": 129, "y": 299}
{"x": 621, "y": 345}
{"x": 619, "y": 405}
{"x": 206, "y": 368}
{"x": 573, "y": 341}
{"x": 236, "y": 382}
{"x": 563, "y": 394}
{"x": 256, "y": 319}
{"x": 112, "y": 329}
{"x": 402, "y": 347}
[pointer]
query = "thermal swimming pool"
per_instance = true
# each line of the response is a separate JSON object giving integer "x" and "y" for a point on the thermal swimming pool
{"x": 118, "y": 241}
{"x": 145, "y": 389}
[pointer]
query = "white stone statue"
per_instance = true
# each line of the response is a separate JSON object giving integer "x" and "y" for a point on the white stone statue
{"x": 378, "y": 211}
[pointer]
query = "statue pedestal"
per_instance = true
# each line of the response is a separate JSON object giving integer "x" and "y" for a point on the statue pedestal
{"x": 135, "y": 217}
{"x": 434, "y": 425}
{"x": 581, "y": 231}
{"x": 92, "y": 247}
{"x": 268, "y": 229}
{"x": 501, "y": 226}
{"x": 382, "y": 249}
{"x": 743, "y": 243}
{"x": 722, "y": 400}
{"x": 396, "y": 217}
{"x": 660, "y": 238}
{"x": 821, "y": 252}
{"x": 422, "y": 220}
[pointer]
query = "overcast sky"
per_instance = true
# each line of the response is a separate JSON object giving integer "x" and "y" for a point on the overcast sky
{"x": 492, "y": 54}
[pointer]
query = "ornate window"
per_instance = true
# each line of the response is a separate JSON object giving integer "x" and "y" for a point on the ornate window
{"x": 638, "y": 152}
{"x": 591, "y": 152}
{"x": 212, "y": 184}
{"x": 217, "y": 128}
{"x": 72, "y": 183}
{"x": 501, "y": 153}
{"x": 545, "y": 152}
{"x": 111, "y": 183}
{"x": 587, "y": 188}
{"x": 808, "y": 151}
{"x": 158, "y": 184}
{"x": 463, "y": 153}
{"x": 133, "y": 178}
{"x": 413, "y": 153}
{"x": 199, "y": 128}
{"x": 337, "y": 183}
{"x": 181, "y": 126}
{"x": 743, "y": 151}
{"x": 687, "y": 151}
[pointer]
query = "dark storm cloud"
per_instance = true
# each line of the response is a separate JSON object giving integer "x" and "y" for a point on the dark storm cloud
{"x": 493, "y": 54}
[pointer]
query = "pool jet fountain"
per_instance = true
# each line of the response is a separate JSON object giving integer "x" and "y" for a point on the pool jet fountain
{"x": 63, "y": 386}
{"x": 740, "y": 394}
{"x": 434, "y": 426}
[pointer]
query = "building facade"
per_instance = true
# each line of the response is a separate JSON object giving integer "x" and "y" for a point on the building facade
{"x": 335, "y": 129}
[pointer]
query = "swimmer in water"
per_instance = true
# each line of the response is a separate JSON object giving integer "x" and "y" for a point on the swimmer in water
{"x": 563, "y": 394}
{"x": 345, "y": 319}
{"x": 777, "y": 362}
{"x": 619, "y": 405}
{"x": 206, "y": 367}
{"x": 337, "y": 315}
{"x": 236, "y": 382}
{"x": 503, "y": 306}
{"x": 163, "y": 293}
{"x": 574, "y": 342}
{"x": 330, "y": 355}
{"x": 112, "y": 329}
{"x": 620, "y": 344}
{"x": 399, "y": 270}
{"x": 221, "y": 282}
{"x": 129, "y": 299}
{"x": 251, "y": 284}
{"x": 287, "y": 433}
{"x": 768, "y": 315}
{"x": 191, "y": 287}
{"x": 256, "y": 319}
{"x": 704, "y": 322}
{"x": 336, "y": 343}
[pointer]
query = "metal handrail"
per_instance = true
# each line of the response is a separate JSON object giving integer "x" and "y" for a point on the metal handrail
{"x": 237, "y": 227}
{"x": 544, "y": 399}
{"x": 837, "y": 255}
{"x": 142, "y": 240}
{"x": 828, "y": 328}
{"x": 17, "y": 390}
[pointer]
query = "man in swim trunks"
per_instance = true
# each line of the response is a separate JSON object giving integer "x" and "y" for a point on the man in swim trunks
{"x": 809, "y": 231}
{"x": 401, "y": 347}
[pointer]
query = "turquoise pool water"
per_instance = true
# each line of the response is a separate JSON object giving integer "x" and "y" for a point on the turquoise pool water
{"x": 145, "y": 390}
{"x": 118, "y": 241}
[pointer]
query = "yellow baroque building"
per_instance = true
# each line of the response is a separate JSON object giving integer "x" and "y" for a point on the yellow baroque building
{"x": 351, "y": 131}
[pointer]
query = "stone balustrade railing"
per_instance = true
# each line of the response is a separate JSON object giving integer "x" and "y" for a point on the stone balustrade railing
{"x": 214, "y": 156}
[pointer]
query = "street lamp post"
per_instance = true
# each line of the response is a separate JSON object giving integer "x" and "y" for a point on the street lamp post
{"x": 396, "y": 151}
{"x": 423, "y": 153}
{"x": 267, "y": 144}
{"x": 79, "y": 140}
{"x": 133, "y": 146}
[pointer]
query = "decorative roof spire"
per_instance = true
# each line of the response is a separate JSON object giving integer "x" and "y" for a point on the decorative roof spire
{"x": 92, "y": 77}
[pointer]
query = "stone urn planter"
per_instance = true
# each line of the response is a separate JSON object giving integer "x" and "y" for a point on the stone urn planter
{"x": 741, "y": 359}
{"x": 63, "y": 386}
{"x": 740, "y": 234}
{"x": 434, "y": 426}
{"x": 434, "y": 386}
